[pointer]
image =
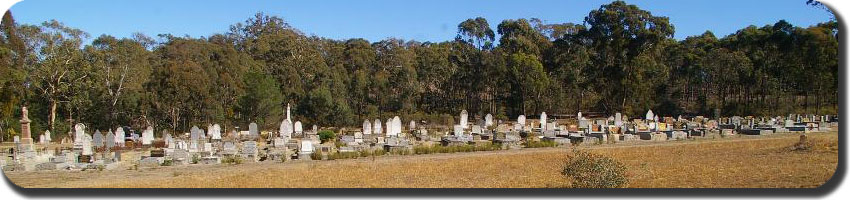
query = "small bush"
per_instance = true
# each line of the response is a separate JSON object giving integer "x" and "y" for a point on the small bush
{"x": 365, "y": 153}
{"x": 588, "y": 170}
{"x": 379, "y": 152}
{"x": 231, "y": 160}
{"x": 326, "y": 135}
{"x": 168, "y": 162}
{"x": 196, "y": 159}
{"x": 317, "y": 155}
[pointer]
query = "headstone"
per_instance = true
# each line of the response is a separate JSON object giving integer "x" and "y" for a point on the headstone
{"x": 47, "y": 137}
{"x": 367, "y": 127}
{"x": 650, "y": 115}
{"x": 315, "y": 129}
{"x": 298, "y": 128}
{"x": 618, "y": 120}
{"x": 543, "y": 121}
{"x": 521, "y": 120}
{"x": 286, "y": 129}
{"x": 396, "y": 125}
{"x": 476, "y": 129}
{"x": 412, "y": 125}
{"x": 169, "y": 141}
{"x": 147, "y": 136}
{"x": 306, "y": 147}
{"x": 253, "y": 131}
{"x": 488, "y": 120}
{"x": 458, "y": 130}
{"x": 216, "y": 132}
{"x": 464, "y": 119}
{"x": 79, "y": 131}
{"x": 578, "y": 116}
{"x": 86, "y": 144}
{"x": 97, "y": 139}
{"x": 119, "y": 136}
{"x": 376, "y": 127}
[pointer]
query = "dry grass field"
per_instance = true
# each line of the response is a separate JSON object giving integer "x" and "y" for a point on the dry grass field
{"x": 737, "y": 162}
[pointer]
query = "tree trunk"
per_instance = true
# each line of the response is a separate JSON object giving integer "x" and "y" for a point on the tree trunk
{"x": 51, "y": 118}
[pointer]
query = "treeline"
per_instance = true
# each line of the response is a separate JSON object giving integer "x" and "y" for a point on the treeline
{"x": 620, "y": 59}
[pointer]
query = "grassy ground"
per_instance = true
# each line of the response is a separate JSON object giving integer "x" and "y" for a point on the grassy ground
{"x": 740, "y": 161}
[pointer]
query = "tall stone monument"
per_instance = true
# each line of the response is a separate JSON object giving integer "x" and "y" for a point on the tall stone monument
{"x": 26, "y": 136}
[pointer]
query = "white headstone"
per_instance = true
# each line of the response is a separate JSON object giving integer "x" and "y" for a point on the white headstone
{"x": 119, "y": 136}
{"x": 578, "y": 116}
{"x": 47, "y": 137}
{"x": 367, "y": 127}
{"x": 147, "y": 136}
{"x": 97, "y": 139}
{"x": 306, "y": 146}
{"x": 543, "y": 121}
{"x": 618, "y": 119}
{"x": 286, "y": 129}
{"x": 464, "y": 119}
{"x": 87, "y": 144}
{"x": 253, "y": 130}
{"x": 299, "y": 129}
{"x": 488, "y": 120}
{"x": 396, "y": 125}
{"x": 109, "y": 140}
{"x": 389, "y": 127}
{"x": 216, "y": 132}
{"x": 458, "y": 130}
{"x": 521, "y": 120}
{"x": 412, "y": 125}
{"x": 376, "y": 127}
{"x": 649, "y": 115}
{"x": 79, "y": 131}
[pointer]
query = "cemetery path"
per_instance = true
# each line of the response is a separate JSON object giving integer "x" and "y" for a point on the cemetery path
{"x": 744, "y": 161}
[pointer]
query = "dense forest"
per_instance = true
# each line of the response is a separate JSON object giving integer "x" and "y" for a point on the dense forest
{"x": 620, "y": 59}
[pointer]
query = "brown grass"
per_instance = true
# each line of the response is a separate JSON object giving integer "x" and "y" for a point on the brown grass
{"x": 750, "y": 162}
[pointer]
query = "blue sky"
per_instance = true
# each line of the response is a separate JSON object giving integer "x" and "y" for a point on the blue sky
{"x": 434, "y": 20}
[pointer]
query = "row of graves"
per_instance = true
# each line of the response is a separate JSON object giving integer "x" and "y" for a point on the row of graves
{"x": 292, "y": 142}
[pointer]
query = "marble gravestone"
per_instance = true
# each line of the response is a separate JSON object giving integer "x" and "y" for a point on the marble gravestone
{"x": 367, "y": 127}
{"x": 298, "y": 128}
{"x": 376, "y": 127}
{"x": 147, "y": 136}
{"x": 543, "y": 121}
{"x": 97, "y": 138}
{"x": 253, "y": 130}
{"x": 521, "y": 120}
{"x": 412, "y": 125}
{"x": 216, "y": 132}
{"x": 488, "y": 120}
{"x": 650, "y": 115}
{"x": 286, "y": 129}
{"x": 464, "y": 119}
{"x": 109, "y": 140}
{"x": 119, "y": 136}
{"x": 618, "y": 120}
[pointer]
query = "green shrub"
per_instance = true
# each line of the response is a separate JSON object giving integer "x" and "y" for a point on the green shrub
{"x": 167, "y": 162}
{"x": 326, "y": 135}
{"x": 588, "y": 170}
{"x": 317, "y": 155}
{"x": 379, "y": 152}
{"x": 231, "y": 160}
{"x": 365, "y": 153}
{"x": 196, "y": 159}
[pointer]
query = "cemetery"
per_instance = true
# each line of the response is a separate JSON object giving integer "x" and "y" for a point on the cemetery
{"x": 124, "y": 149}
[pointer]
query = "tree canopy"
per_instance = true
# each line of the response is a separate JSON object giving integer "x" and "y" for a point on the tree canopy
{"x": 621, "y": 58}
